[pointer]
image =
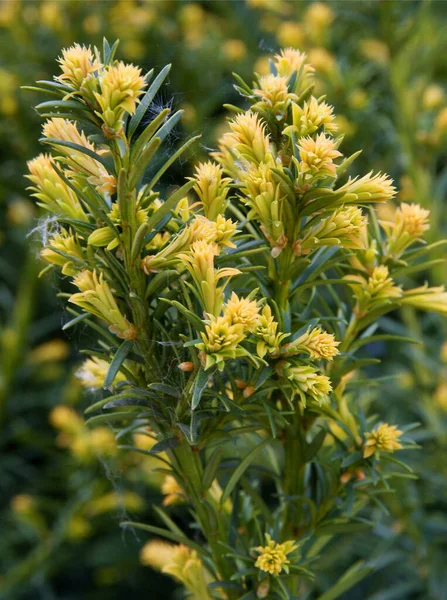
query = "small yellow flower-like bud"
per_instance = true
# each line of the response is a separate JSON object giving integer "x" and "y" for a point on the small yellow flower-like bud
{"x": 67, "y": 131}
{"x": 306, "y": 381}
{"x": 186, "y": 567}
{"x": 408, "y": 225}
{"x": 317, "y": 156}
{"x": 273, "y": 557}
{"x": 220, "y": 334}
{"x": 121, "y": 86}
{"x": 220, "y": 231}
{"x": 247, "y": 140}
{"x": 274, "y": 95}
{"x": 242, "y": 311}
{"x": 316, "y": 342}
{"x": 76, "y": 63}
{"x": 203, "y": 253}
{"x": 180, "y": 562}
{"x": 202, "y": 229}
{"x": 370, "y": 188}
{"x": 172, "y": 491}
{"x": 427, "y": 298}
{"x": 212, "y": 189}
{"x": 93, "y": 372}
{"x": 412, "y": 219}
{"x": 263, "y": 196}
{"x": 220, "y": 341}
{"x": 310, "y": 117}
{"x": 156, "y": 554}
{"x": 51, "y": 191}
{"x": 290, "y": 60}
{"x": 67, "y": 244}
{"x": 384, "y": 438}
{"x": 225, "y": 229}
{"x": 171, "y": 252}
{"x": 343, "y": 227}
{"x": 267, "y": 334}
{"x": 375, "y": 291}
{"x": 97, "y": 175}
{"x": 199, "y": 261}
{"x": 96, "y": 297}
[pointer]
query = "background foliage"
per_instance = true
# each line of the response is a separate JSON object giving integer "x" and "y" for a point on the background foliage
{"x": 382, "y": 65}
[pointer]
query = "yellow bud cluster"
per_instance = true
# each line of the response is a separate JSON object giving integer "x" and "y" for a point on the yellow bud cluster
{"x": 269, "y": 339}
{"x": 220, "y": 341}
{"x": 343, "y": 227}
{"x": 212, "y": 189}
{"x": 96, "y": 298}
{"x": 272, "y": 558}
{"x": 93, "y": 371}
{"x": 77, "y": 62}
{"x": 274, "y": 95}
{"x": 317, "y": 157}
{"x": 199, "y": 261}
{"x": 310, "y": 117}
{"x": 316, "y": 343}
{"x": 382, "y": 439}
{"x": 65, "y": 251}
{"x": 427, "y": 298}
{"x": 370, "y": 188}
{"x": 247, "y": 142}
{"x": 201, "y": 236}
{"x": 374, "y": 291}
{"x": 121, "y": 86}
{"x": 409, "y": 224}
{"x": 96, "y": 173}
{"x": 51, "y": 190}
{"x": 263, "y": 195}
{"x": 305, "y": 381}
{"x": 242, "y": 311}
{"x": 290, "y": 60}
{"x": 180, "y": 562}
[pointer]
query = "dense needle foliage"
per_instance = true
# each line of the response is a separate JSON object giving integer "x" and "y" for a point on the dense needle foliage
{"x": 234, "y": 315}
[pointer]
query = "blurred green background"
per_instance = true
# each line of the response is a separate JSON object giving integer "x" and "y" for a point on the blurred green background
{"x": 63, "y": 492}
